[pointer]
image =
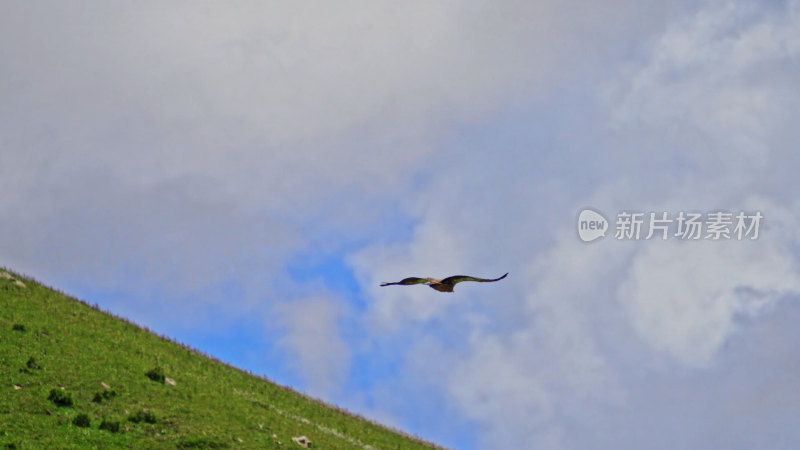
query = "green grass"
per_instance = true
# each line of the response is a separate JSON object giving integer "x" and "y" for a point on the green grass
{"x": 53, "y": 348}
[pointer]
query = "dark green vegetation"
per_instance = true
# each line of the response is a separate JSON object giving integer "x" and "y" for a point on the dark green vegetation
{"x": 82, "y": 420}
{"x": 72, "y": 376}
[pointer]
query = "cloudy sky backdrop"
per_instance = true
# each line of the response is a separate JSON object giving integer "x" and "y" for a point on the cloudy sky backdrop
{"x": 241, "y": 176}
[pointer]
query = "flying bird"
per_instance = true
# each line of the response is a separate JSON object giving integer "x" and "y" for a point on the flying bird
{"x": 445, "y": 285}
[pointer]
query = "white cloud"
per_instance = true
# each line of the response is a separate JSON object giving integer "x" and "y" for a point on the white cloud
{"x": 684, "y": 298}
{"x": 717, "y": 86}
{"x": 314, "y": 342}
{"x": 717, "y": 83}
{"x": 281, "y": 113}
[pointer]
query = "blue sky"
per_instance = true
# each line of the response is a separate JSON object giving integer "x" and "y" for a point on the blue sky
{"x": 243, "y": 176}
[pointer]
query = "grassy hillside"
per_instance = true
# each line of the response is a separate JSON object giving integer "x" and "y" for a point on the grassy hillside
{"x": 63, "y": 362}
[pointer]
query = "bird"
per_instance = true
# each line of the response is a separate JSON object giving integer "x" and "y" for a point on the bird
{"x": 444, "y": 285}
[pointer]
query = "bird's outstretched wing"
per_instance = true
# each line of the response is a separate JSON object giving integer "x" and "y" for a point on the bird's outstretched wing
{"x": 407, "y": 281}
{"x": 459, "y": 278}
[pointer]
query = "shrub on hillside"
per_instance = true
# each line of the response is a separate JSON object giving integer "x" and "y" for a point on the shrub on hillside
{"x": 142, "y": 416}
{"x": 18, "y": 327}
{"x": 105, "y": 395}
{"x": 156, "y": 374}
{"x": 81, "y": 420}
{"x": 60, "y": 397}
{"x": 109, "y": 426}
{"x": 32, "y": 364}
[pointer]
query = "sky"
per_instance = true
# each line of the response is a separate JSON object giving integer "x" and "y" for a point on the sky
{"x": 241, "y": 177}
